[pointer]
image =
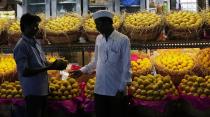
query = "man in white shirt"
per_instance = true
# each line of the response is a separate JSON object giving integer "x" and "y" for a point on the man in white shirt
{"x": 112, "y": 64}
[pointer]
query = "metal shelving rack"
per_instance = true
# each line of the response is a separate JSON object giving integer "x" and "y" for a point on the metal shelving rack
{"x": 85, "y": 47}
{"x": 118, "y": 7}
{"x": 177, "y": 44}
{"x": 60, "y": 7}
{"x": 36, "y": 6}
{"x": 92, "y": 7}
{"x": 77, "y": 47}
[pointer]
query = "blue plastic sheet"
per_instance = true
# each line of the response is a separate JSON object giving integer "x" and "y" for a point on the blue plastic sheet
{"x": 130, "y": 2}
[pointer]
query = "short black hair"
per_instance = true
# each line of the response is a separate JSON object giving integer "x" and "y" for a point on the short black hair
{"x": 28, "y": 19}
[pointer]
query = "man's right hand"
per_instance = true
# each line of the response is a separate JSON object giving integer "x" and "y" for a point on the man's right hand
{"x": 59, "y": 64}
{"x": 75, "y": 74}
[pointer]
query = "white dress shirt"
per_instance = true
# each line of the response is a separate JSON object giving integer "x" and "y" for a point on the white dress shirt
{"x": 112, "y": 64}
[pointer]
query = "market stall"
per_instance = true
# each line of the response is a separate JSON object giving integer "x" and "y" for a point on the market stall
{"x": 169, "y": 57}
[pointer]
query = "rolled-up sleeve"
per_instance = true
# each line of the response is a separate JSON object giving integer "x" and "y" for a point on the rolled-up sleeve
{"x": 126, "y": 75}
{"x": 21, "y": 58}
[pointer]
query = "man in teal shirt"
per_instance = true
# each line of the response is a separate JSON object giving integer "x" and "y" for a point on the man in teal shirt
{"x": 32, "y": 67}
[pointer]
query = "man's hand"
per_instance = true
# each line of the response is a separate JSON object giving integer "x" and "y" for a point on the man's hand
{"x": 120, "y": 94}
{"x": 129, "y": 84}
{"x": 76, "y": 74}
{"x": 59, "y": 64}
